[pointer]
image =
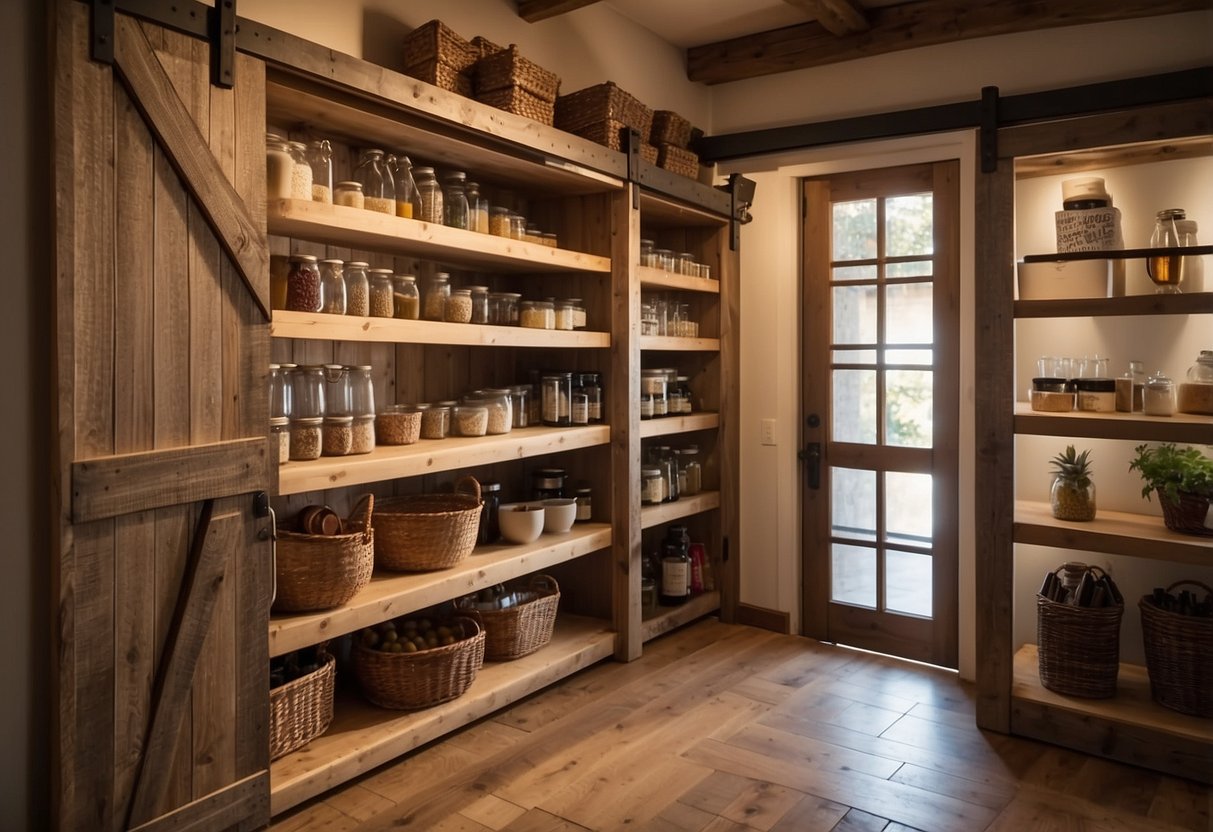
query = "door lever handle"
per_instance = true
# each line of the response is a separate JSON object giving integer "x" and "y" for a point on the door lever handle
{"x": 812, "y": 455}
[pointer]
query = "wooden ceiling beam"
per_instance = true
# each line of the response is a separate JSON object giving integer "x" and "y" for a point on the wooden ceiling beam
{"x": 839, "y": 17}
{"x": 907, "y": 26}
{"x": 532, "y": 11}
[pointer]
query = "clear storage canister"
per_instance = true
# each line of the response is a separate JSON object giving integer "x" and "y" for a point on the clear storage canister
{"x": 510, "y": 305}
{"x": 480, "y": 304}
{"x": 304, "y": 292}
{"x": 647, "y": 258}
{"x": 653, "y": 383}
{"x": 408, "y": 202}
{"x": 537, "y": 314}
{"x": 306, "y": 437}
{"x": 429, "y": 193}
{"x": 332, "y": 276}
{"x": 307, "y": 391}
{"x": 499, "y": 221}
{"x": 349, "y": 193}
{"x": 520, "y": 405}
{"x": 435, "y": 420}
{"x": 458, "y": 309}
{"x": 278, "y": 163}
{"x": 338, "y": 435}
{"x": 357, "y": 289}
{"x": 378, "y": 190}
{"x": 691, "y": 478}
{"x": 301, "y": 172}
{"x": 455, "y": 211}
{"x": 398, "y": 424}
{"x": 320, "y": 157}
{"x": 406, "y": 300}
{"x": 469, "y": 420}
{"x": 563, "y": 315}
{"x": 382, "y": 302}
{"x": 478, "y": 208}
{"x": 497, "y": 408}
{"x": 652, "y": 486}
{"x": 517, "y": 227}
{"x": 338, "y": 394}
{"x": 686, "y": 264}
{"x": 1159, "y": 396}
{"x": 280, "y": 437}
{"x": 362, "y": 437}
{"x": 556, "y": 392}
{"x": 437, "y": 290}
{"x": 280, "y": 390}
{"x": 362, "y": 390}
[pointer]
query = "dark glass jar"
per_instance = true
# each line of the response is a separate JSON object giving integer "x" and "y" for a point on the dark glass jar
{"x": 593, "y": 392}
{"x": 584, "y": 496}
{"x": 490, "y": 496}
{"x": 675, "y": 567}
{"x": 547, "y": 483}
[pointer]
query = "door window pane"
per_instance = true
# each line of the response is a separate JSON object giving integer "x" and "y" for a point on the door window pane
{"x": 909, "y": 317}
{"x": 853, "y": 575}
{"x": 855, "y": 272}
{"x": 854, "y": 315}
{"x": 854, "y": 230}
{"x": 907, "y": 582}
{"x": 854, "y": 406}
{"x": 908, "y": 356}
{"x": 853, "y": 503}
{"x": 907, "y": 508}
{"x": 908, "y": 408}
{"x": 854, "y": 357}
{"x": 915, "y": 268}
{"x": 909, "y": 225}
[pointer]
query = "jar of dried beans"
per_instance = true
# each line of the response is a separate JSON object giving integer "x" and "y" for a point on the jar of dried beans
{"x": 303, "y": 286}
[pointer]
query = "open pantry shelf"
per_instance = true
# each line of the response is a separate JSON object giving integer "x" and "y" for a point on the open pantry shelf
{"x": 670, "y": 618}
{"x": 387, "y": 462}
{"x": 359, "y": 228}
{"x": 395, "y": 593}
{"x": 1111, "y": 532}
{"x": 669, "y": 425}
{"x": 1187, "y": 304}
{"x": 651, "y": 278}
{"x": 309, "y": 325}
{"x": 651, "y": 516}
{"x": 1182, "y": 427}
{"x": 670, "y": 342}
{"x": 363, "y": 736}
{"x": 1127, "y": 727}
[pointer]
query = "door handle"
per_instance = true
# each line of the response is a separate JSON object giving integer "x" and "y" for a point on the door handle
{"x": 812, "y": 455}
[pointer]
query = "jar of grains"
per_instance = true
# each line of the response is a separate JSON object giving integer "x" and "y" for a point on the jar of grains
{"x": 280, "y": 437}
{"x": 469, "y": 420}
{"x": 303, "y": 286}
{"x": 301, "y": 172}
{"x": 497, "y": 410}
{"x": 378, "y": 190}
{"x": 337, "y": 435}
{"x": 429, "y": 193}
{"x": 458, "y": 308}
{"x": 278, "y": 163}
{"x": 307, "y": 391}
{"x": 435, "y": 420}
{"x": 480, "y": 304}
{"x": 382, "y": 302}
{"x": 499, "y": 221}
{"x": 332, "y": 278}
{"x": 349, "y": 194}
{"x": 398, "y": 424}
{"x": 437, "y": 290}
{"x": 406, "y": 298}
{"x": 306, "y": 435}
{"x": 320, "y": 158}
{"x": 357, "y": 289}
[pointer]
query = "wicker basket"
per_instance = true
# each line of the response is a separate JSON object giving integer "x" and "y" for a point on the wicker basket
{"x": 678, "y": 160}
{"x": 586, "y": 108}
{"x": 609, "y": 133}
{"x": 670, "y": 128}
{"x": 301, "y": 710}
{"x": 319, "y": 572}
{"x": 1179, "y": 656}
{"x": 424, "y": 532}
{"x": 519, "y": 102}
{"x": 411, "y": 681}
{"x": 507, "y": 69}
{"x": 1186, "y": 516}
{"x": 435, "y": 42}
{"x": 1079, "y": 647}
{"x": 520, "y": 630}
{"x": 485, "y": 47}
{"x": 442, "y": 76}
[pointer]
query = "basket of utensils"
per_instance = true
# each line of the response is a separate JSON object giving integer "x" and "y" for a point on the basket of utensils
{"x": 418, "y": 662}
{"x": 438, "y": 55}
{"x": 1177, "y": 628}
{"x": 427, "y": 532}
{"x": 518, "y": 618}
{"x": 508, "y": 81}
{"x": 301, "y": 698}
{"x": 1078, "y": 613}
{"x": 321, "y": 561}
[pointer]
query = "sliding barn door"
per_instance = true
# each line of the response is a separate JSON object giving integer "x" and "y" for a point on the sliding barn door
{"x": 162, "y": 563}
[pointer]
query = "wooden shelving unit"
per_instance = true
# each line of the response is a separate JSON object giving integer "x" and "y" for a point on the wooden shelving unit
{"x": 1111, "y": 532}
{"x": 674, "y": 343}
{"x": 653, "y": 516}
{"x": 671, "y": 618}
{"x": 1189, "y": 304}
{"x": 1182, "y": 427}
{"x": 671, "y": 425}
{"x": 656, "y": 279}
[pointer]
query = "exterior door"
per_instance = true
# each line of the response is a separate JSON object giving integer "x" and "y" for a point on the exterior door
{"x": 880, "y": 410}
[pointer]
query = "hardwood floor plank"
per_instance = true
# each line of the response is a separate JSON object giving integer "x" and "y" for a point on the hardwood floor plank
{"x": 991, "y": 795}
{"x": 857, "y": 821}
{"x": 685, "y": 817}
{"x": 716, "y": 791}
{"x": 315, "y": 817}
{"x": 458, "y": 823}
{"x": 358, "y": 802}
{"x": 1183, "y": 803}
{"x": 626, "y": 797}
{"x": 762, "y": 690}
{"x": 812, "y": 813}
{"x": 726, "y": 825}
{"x": 803, "y": 751}
{"x": 493, "y": 812}
{"x": 761, "y": 805}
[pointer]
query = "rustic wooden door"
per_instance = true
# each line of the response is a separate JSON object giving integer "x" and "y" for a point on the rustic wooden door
{"x": 162, "y": 566}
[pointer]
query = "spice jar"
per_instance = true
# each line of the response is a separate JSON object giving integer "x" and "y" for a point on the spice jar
{"x": 280, "y": 437}
{"x": 278, "y": 164}
{"x": 301, "y": 172}
{"x": 303, "y": 286}
{"x": 584, "y": 496}
{"x": 547, "y": 483}
{"x": 382, "y": 300}
{"x": 435, "y": 420}
{"x": 357, "y": 289}
{"x": 1159, "y": 396}
{"x": 579, "y": 404}
{"x": 429, "y": 193}
{"x": 378, "y": 190}
{"x": 556, "y": 393}
{"x": 406, "y": 300}
{"x": 349, "y": 194}
{"x": 490, "y": 498}
{"x": 332, "y": 279}
{"x": 306, "y": 437}
{"x": 652, "y": 486}
{"x": 458, "y": 309}
{"x": 338, "y": 436}
{"x": 437, "y": 290}
{"x": 320, "y": 159}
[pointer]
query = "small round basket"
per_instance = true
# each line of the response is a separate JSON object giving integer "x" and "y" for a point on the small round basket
{"x": 1079, "y": 647}
{"x": 320, "y": 572}
{"x": 1179, "y": 656}
{"x": 520, "y": 630}
{"x": 411, "y": 681}
{"x": 301, "y": 710}
{"x": 1185, "y": 515}
{"x": 425, "y": 532}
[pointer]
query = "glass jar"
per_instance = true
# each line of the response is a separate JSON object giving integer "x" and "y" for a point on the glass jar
{"x": 499, "y": 221}
{"x": 663, "y": 259}
{"x": 306, "y": 437}
{"x": 320, "y": 158}
{"x": 437, "y": 290}
{"x": 517, "y": 227}
{"x": 307, "y": 391}
{"x": 661, "y": 311}
{"x": 362, "y": 437}
{"x": 280, "y": 390}
{"x": 497, "y": 407}
{"x": 685, "y": 263}
{"x": 648, "y": 596}
{"x": 429, "y": 192}
{"x": 519, "y": 405}
{"x": 304, "y": 292}
{"x": 406, "y": 300}
{"x": 646, "y": 252}
{"x": 653, "y": 383}
{"x": 338, "y": 395}
{"x": 280, "y": 268}
{"x": 579, "y": 404}
{"x": 646, "y": 406}
{"x": 536, "y": 314}
{"x": 398, "y": 424}
{"x": 490, "y": 499}
{"x": 280, "y": 438}
{"x": 455, "y": 210}
{"x": 338, "y": 435}
{"x": 1196, "y": 394}
{"x": 435, "y": 420}
{"x": 478, "y": 208}
{"x": 349, "y": 193}
{"x": 648, "y": 319}
{"x": 593, "y": 391}
{"x": 357, "y": 289}
{"x": 362, "y": 390}
{"x": 378, "y": 190}
{"x": 584, "y": 496}
{"x": 480, "y": 304}
{"x": 692, "y": 471}
{"x": 1159, "y": 397}
{"x": 408, "y": 203}
{"x": 1072, "y": 500}
{"x": 458, "y": 309}
{"x": 278, "y": 163}
{"x": 301, "y": 172}
{"x": 510, "y": 303}
{"x": 578, "y": 312}
{"x": 497, "y": 313}
{"x": 562, "y": 315}
{"x": 685, "y": 396}
{"x": 1167, "y": 270}
{"x": 382, "y": 301}
{"x": 469, "y": 420}
{"x": 668, "y": 460}
{"x": 547, "y": 484}
{"x": 556, "y": 392}
{"x": 332, "y": 278}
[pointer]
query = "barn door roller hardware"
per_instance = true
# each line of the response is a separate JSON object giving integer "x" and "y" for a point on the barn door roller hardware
{"x": 214, "y": 24}
{"x": 741, "y": 193}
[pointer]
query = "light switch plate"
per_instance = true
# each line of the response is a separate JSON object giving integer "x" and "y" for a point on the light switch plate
{"x": 767, "y": 432}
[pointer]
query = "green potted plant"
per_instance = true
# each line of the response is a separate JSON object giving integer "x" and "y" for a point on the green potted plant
{"x": 1072, "y": 495}
{"x": 1183, "y": 479}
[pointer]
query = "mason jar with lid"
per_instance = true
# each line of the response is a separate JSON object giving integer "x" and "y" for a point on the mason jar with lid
{"x": 307, "y": 391}
{"x": 406, "y": 300}
{"x": 499, "y": 221}
{"x": 664, "y": 259}
{"x": 320, "y": 158}
{"x": 578, "y": 312}
{"x": 349, "y": 193}
{"x": 458, "y": 309}
{"x": 480, "y": 304}
{"x": 338, "y": 396}
{"x": 280, "y": 390}
{"x": 332, "y": 278}
{"x": 357, "y": 289}
{"x": 652, "y": 486}
{"x": 280, "y": 438}
{"x": 556, "y": 393}
{"x": 510, "y": 302}
{"x": 686, "y": 263}
{"x": 378, "y": 190}
{"x": 306, "y": 437}
{"x": 382, "y": 303}
{"x": 301, "y": 172}
{"x": 547, "y": 484}
{"x": 1159, "y": 396}
{"x": 646, "y": 252}
{"x": 338, "y": 435}
{"x": 278, "y": 164}
{"x": 429, "y": 192}
{"x": 362, "y": 390}
{"x": 563, "y": 315}
{"x": 653, "y": 383}
{"x": 517, "y": 226}
{"x": 304, "y": 290}
{"x": 455, "y": 210}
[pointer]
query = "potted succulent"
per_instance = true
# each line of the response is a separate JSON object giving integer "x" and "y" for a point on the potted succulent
{"x": 1183, "y": 479}
{"x": 1072, "y": 495}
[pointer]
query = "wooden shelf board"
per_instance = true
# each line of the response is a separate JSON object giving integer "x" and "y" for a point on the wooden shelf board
{"x": 1182, "y": 427}
{"x": 667, "y": 425}
{"x": 430, "y": 456}
{"x": 674, "y": 206}
{"x": 362, "y": 736}
{"x": 390, "y": 330}
{"x": 393, "y": 593}
{"x": 1196, "y": 303}
{"x": 651, "y": 278}
{"x": 651, "y": 516}
{"x": 1113, "y": 254}
{"x": 1077, "y": 161}
{"x": 341, "y": 225}
{"x": 670, "y": 618}
{"x": 667, "y": 342}
{"x": 1112, "y": 532}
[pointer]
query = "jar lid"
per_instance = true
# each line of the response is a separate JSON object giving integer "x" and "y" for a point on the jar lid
{"x": 585, "y": 489}
{"x": 447, "y": 403}
{"x": 338, "y": 420}
{"x": 334, "y": 262}
{"x": 303, "y": 258}
{"x": 402, "y": 408}
{"x": 307, "y": 421}
{"x": 1159, "y": 380}
{"x": 387, "y": 272}
{"x": 1084, "y": 187}
{"x": 478, "y": 289}
{"x": 1095, "y": 385}
{"x": 1047, "y": 384}
{"x": 650, "y": 472}
{"x": 349, "y": 185}
{"x": 280, "y": 421}
{"x": 489, "y": 485}
{"x": 1171, "y": 214}
{"x": 357, "y": 264}
{"x": 425, "y": 170}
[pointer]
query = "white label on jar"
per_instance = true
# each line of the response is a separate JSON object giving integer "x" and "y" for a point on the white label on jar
{"x": 675, "y": 578}
{"x": 583, "y": 509}
{"x": 646, "y": 408}
{"x": 581, "y": 411}
{"x": 659, "y": 406}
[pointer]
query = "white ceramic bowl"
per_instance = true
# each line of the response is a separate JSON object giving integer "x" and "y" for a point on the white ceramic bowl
{"x": 521, "y": 522}
{"x": 559, "y": 514}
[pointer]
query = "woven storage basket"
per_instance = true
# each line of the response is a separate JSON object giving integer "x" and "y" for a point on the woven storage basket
{"x": 507, "y": 69}
{"x": 609, "y": 133}
{"x": 484, "y": 47}
{"x": 319, "y": 572}
{"x": 410, "y": 681}
{"x": 424, "y": 532}
{"x": 301, "y": 710}
{"x": 442, "y": 76}
{"x": 670, "y": 128}
{"x": 519, "y": 102}
{"x": 1179, "y": 656}
{"x": 1079, "y": 647}
{"x": 599, "y": 103}
{"x": 1187, "y": 515}
{"x": 678, "y": 160}
{"x": 435, "y": 42}
{"x": 520, "y": 630}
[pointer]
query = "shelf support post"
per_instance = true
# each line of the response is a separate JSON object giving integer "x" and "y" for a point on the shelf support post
{"x": 989, "y": 129}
